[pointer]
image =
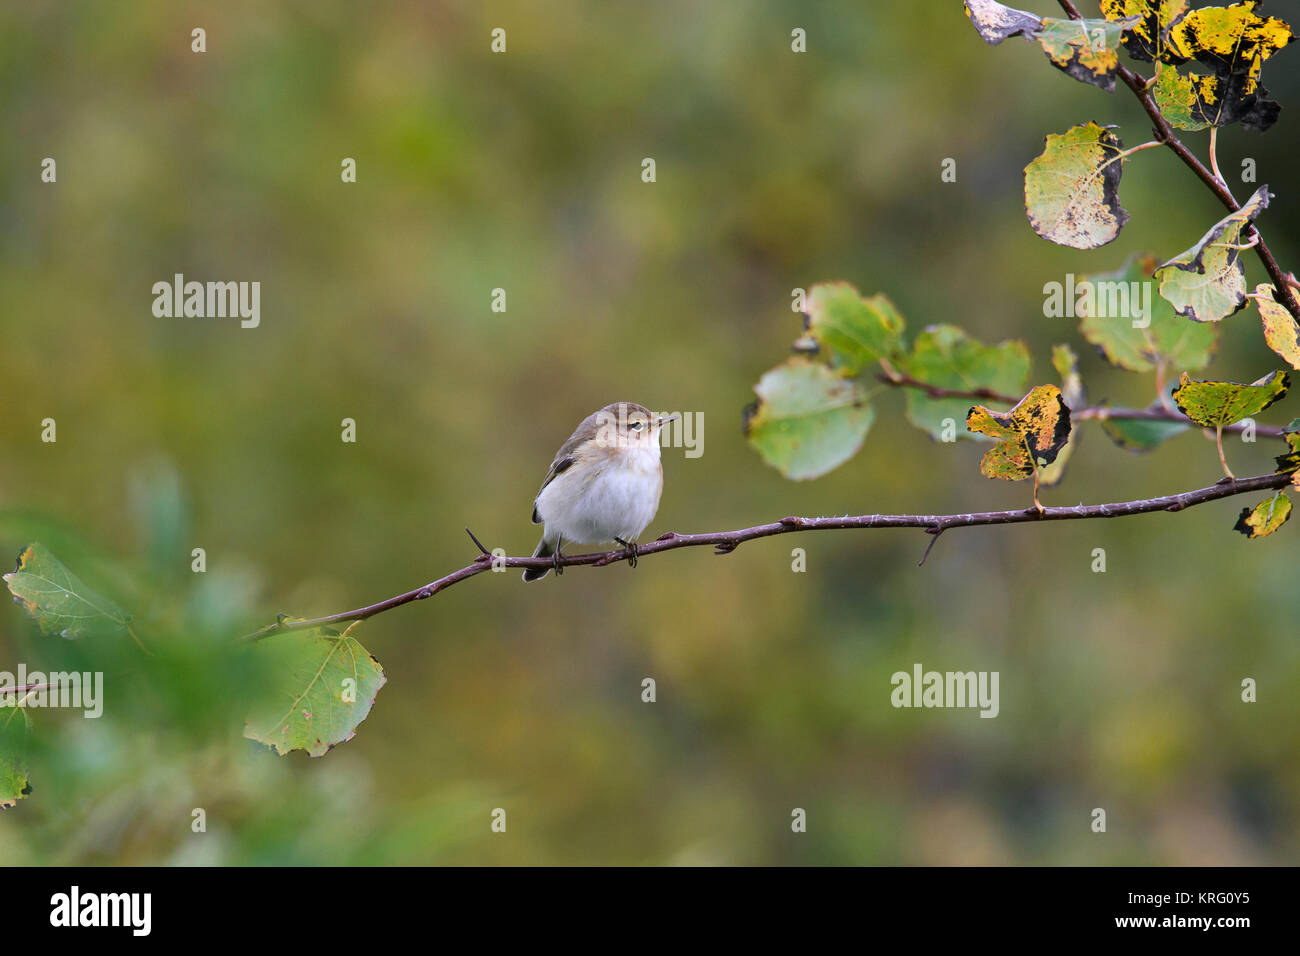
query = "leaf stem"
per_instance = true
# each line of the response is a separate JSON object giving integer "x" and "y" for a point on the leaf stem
{"x": 1218, "y": 440}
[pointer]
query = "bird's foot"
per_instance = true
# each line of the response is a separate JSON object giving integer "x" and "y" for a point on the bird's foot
{"x": 555, "y": 562}
{"x": 631, "y": 551}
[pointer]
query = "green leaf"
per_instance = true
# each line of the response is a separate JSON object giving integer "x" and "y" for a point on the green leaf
{"x": 1265, "y": 518}
{"x": 808, "y": 419}
{"x": 1086, "y": 49}
{"x": 1280, "y": 329}
{"x": 61, "y": 604}
{"x": 1108, "y": 306}
{"x": 1148, "y": 38}
{"x": 1141, "y": 434}
{"x": 995, "y": 21}
{"x": 854, "y": 332}
{"x": 14, "y": 781}
{"x": 1072, "y": 188}
{"x": 1208, "y": 281}
{"x": 945, "y": 357}
{"x": 1219, "y": 404}
{"x": 1066, "y": 364}
{"x": 322, "y": 684}
{"x": 1029, "y": 436}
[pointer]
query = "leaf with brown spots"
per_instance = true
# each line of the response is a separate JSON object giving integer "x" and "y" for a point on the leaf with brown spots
{"x": 1072, "y": 188}
{"x": 1087, "y": 50}
{"x": 1280, "y": 329}
{"x": 1265, "y": 518}
{"x": 320, "y": 685}
{"x": 1030, "y": 435}
{"x": 1219, "y": 404}
{"x": 1208, "y": 281}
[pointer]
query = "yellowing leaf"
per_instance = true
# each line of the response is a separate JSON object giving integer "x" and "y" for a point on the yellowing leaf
{"x": 1066, "y": 364}
{"x": 1072, "y": 188}
{"x": 1265, "y": 518}
{"x": 1148, "y": 37}
{"x": 1208, "y": 281}
{"x": 1218, "y": 404}
{"x": 1086, "y": 49}
{"x": 1280, "y": 329}
{"x": 1029, "y": 436}
{"x": 1233, "y": 41}
{"x": 808, "y": 419}
{"x": 854, "y": 332}
{"x": 1108, "y": 307}
{"x": 1291, "y": 460}
{"x": 1197, "y": 101}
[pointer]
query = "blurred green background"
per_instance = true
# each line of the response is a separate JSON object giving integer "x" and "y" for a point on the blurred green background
{"x": 522, "y": 171}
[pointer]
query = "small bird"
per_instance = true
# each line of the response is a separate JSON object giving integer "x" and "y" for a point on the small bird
{"x": 604, "y": 484}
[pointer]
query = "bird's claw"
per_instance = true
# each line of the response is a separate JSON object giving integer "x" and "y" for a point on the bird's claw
{"x": 632, "y": 551}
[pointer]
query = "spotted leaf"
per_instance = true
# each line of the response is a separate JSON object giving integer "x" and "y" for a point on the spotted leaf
{"x": 1147, "y": 38}
{"x": 1265, "y": 518}
{"x": 1072, "y": 188}
{"x": 1029, "y": 436}
{"x": 1219, "y": 404}
{"x": 1280, "y": 329}
{"x": 1208, "y": 281}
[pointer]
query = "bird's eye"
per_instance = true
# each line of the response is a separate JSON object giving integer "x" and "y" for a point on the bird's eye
{"x": 637, "y": 426}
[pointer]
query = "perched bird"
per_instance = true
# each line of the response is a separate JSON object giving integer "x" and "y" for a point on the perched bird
{"x": 604, "y": 484}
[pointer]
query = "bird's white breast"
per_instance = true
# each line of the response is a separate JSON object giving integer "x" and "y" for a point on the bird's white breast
{"x": 615, "y": 498}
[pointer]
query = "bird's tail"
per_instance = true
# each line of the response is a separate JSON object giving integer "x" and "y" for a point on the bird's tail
{"x": 544, "y": 550}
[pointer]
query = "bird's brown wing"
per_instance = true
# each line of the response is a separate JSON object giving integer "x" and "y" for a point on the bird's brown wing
{"x": 560, "y": 464}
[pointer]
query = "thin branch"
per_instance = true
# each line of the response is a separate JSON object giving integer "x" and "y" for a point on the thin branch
{"x": 1165, "y": 133}
{"x": 1089, "y": 412}
{"x": 724, "y": 542}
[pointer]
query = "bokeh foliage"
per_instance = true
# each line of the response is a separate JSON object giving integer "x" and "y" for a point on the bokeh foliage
{"x": 775, "y": 171}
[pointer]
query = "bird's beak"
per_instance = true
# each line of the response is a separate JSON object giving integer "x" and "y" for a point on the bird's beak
{"x": 665, "y": 420}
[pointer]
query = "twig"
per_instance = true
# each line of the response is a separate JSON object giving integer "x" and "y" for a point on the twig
{"x": 727, "y": 541}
